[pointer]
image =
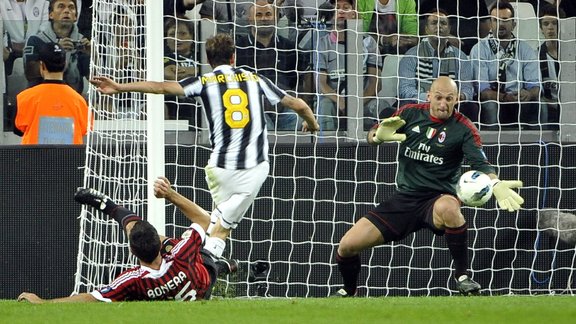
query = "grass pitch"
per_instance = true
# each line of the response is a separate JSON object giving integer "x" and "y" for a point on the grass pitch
{"x": 502, "y": 309}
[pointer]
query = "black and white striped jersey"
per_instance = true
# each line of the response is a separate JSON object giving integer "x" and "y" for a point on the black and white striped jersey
{"x": 231, "y": 99}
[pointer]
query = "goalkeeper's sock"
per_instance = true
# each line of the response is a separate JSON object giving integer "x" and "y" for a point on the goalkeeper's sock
{"x": 216, "y": 246}
{"x": 457, "y": 239}
{"x": 122, "y": 215}
{"x": 350, "y": 269}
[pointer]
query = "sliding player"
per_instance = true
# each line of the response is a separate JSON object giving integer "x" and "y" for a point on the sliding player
{"x": 170, "y": 269}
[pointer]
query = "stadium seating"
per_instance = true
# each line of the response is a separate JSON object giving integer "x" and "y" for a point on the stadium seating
{"x": 527, "y": 26}
{"x": 389, "y": 79}
{"x": 16, "y": 82}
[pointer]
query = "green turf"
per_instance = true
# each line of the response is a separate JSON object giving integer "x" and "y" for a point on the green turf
{"x": 504, "y": 309}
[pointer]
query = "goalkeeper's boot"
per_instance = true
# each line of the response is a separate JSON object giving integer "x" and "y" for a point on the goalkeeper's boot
{"x": 226, "y": 266}
{"x": 92, "y": 197}
{"x": 342, "y": 293}
{"x": 466, "y": 286}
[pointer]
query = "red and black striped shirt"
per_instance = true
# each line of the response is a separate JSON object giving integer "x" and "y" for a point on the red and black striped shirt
{"x": 182, "y": 275}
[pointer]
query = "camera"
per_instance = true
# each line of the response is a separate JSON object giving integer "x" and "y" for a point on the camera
{"x": 78, "y": 45}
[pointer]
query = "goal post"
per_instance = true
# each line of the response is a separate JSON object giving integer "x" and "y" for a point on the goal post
{"x": 125, "y": 149}
{"x": 155, "y": 114}
{"x": 567, "y": 77}
{"x": 318, "y": 185}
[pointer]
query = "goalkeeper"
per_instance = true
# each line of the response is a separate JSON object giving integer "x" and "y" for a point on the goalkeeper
{"x": 170, "y": 269}
{"x": 434, "y": 140}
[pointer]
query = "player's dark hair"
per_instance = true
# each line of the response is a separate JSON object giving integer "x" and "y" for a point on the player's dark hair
{"x": 220, "y": 49}
{"x": 144, "y": 241}
{"x": 503, "y": 5}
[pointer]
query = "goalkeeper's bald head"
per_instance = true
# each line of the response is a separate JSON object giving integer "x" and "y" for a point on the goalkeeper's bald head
{"x": 444, "y": 83}
{"x": 443, "y": 96}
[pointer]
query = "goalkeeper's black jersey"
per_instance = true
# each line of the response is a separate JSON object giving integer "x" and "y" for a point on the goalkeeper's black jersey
{"x": 431, "y": 157}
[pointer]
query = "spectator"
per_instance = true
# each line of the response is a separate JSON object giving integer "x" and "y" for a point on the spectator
{"x": 549, "y": 63}
{"x": 22, "y": 18}
{"x": 433, "y": 57}
{"x": 295, "y": 12}
{"x": 330, "y": 67}
{"x": 507, "y": 72}
{"x": 51, "y": 112}
{"x": 84, "y": 21}
{"x": 229, "y": 15}
{"x": 179, "y": 53}
{"x": 180, "y": 63}
{"x": 62, "y": 29}
{"x": 179, "y": 7}
{"x": 394, "y": 23}
{"x": 269, "y": 54}
{"x": 469, "y": 20}
{"x": 169, "y": 268}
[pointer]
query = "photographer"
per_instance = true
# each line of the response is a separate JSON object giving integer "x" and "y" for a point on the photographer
{"x": 63, "y": 31}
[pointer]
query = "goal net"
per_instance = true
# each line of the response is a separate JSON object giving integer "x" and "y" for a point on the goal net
{"x": 318, "y": 185}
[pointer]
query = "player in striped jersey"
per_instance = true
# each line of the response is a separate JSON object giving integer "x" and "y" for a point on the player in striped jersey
{"x": 434, "y": 141}
{"x": 170, "y": 269}
{"x": 231, "y": 96}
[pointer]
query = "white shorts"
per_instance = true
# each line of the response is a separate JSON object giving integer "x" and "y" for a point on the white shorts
{"x": 233, "y": 191}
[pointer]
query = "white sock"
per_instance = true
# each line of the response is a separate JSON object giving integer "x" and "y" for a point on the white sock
{"x": 215, "y": 245}
{"x": 213, "y": 219}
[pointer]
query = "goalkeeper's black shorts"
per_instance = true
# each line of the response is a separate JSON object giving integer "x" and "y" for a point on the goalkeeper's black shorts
{"x": 404, "y": 213}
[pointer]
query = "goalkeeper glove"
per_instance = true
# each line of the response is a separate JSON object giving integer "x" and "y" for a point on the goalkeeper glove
{"x": 507, "y": 198}
{"x": 386, "y": 131}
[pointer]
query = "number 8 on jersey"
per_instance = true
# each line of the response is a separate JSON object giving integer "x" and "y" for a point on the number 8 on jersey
{"x": 236, "y": 102}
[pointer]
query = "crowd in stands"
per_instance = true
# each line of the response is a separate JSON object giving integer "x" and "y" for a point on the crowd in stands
{"x": 504, "y": 82}
{"x": 437, "y": 54}
{"x": 274, "y": 57}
